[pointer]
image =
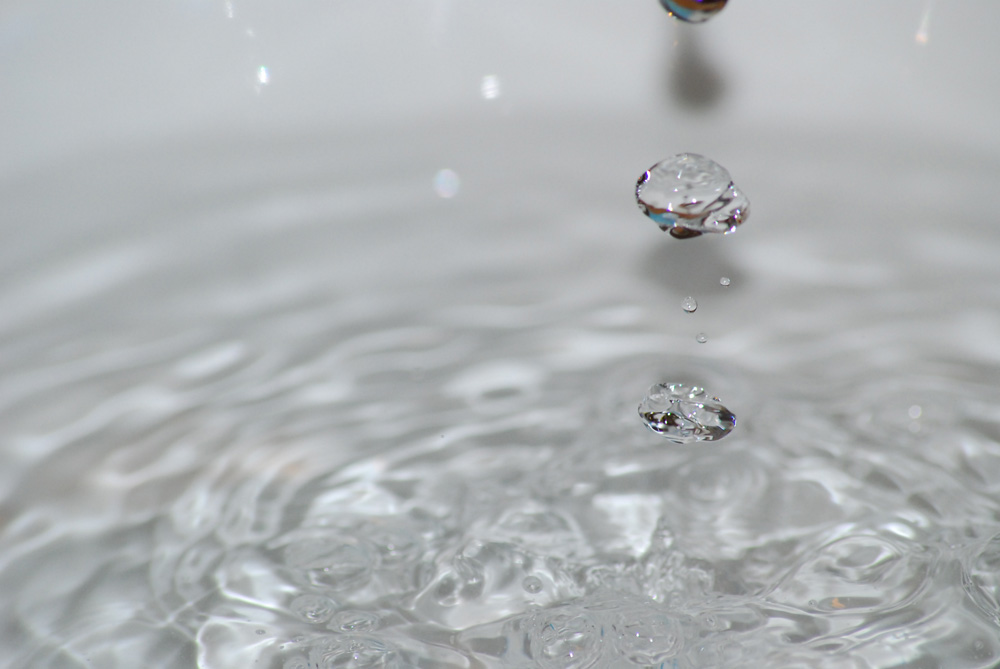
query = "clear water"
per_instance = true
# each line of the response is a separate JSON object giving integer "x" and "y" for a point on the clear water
{"x": 693, "y": 11}
{"x": 268, "y": 427}
{"x": 685, "y": 414}
{"x": 689, "y": 194}
{"x": 294, "y": 398}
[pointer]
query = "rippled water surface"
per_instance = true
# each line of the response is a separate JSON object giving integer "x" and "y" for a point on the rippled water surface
{"x": 363, "y": 393}
{"x": 273, "y": 421}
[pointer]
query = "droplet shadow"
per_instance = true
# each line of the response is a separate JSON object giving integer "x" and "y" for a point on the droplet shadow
{"x": 693, "y": 81}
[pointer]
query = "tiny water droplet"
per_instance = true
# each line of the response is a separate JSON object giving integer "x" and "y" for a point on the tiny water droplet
{"x": 693, "y": 11}
{"x": 701, "y": 338}
{"x": 724, "y": 281}
{"x": 689, "y": 194}
{"x": 447, "y": 183}
{"x": 684, "y": 414}
{"x": 489, "y": 88}
{"x": 689, "y": 304}
{"x": 532, "y": 584}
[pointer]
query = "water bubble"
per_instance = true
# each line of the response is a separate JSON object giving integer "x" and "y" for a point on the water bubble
{"x": 532, "y": 584}
{"x": 701, "y": 337}
{"x": 334, "y": 562}
{"x": 354, "y": 652}
{"x": 693, "y": 11}
{"x": 313, "y": 608}
{"x": 689, "y": 194}
{"x": 355, "y": 621}
{"x": 689, "y": 304}
{"x": 724, "y": 281}
{"x": 684, "y": 414}
{"x": 564, "y": 640}
{"x": 648, "y": 638}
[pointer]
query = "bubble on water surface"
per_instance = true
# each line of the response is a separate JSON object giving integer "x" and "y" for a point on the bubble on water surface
{"x": 351, "y": 651}
{"x": 355, "y": 621}
{"x": 689, "y": 194}
{"x": 532, "y": 584}
{"x": 564, "y": 640}
{"x": 693, "y": 11}
{"x": 689, "y": 304}
{"x": 313, "y": 608}
{"x": 684, "y": 414}
{"x": 336, "y": 562}
{"x": 647, "y": 638}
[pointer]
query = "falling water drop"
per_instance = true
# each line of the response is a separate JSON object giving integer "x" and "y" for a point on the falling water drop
{"x": 724, "y": 281}
{"x": 689, "y": 304}
{"x": 684, "y": 414}
{"x": 689, "y": 194}
{"x": 693, "y": 11}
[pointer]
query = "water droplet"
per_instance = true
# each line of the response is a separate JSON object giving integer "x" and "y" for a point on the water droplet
{"x": 689, "y": 304}
{"x": 263, "y": 76}
{"x": 693, "y": 11}
{"x": 532, "y": 584}
{"x": 701, "y": 338}
{"x": 684, "y": 414}
{"x": 446, "y": 183}
{"x": 724, "y": 281}
{"x": 689, "y": 194}
{"x": 489, "y": 88}
{"x": 261, "y": 632}
{"x": 313, "y": 608}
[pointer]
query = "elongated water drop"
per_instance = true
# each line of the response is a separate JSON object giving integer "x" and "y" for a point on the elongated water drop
{"x": 689, "y": 194}
{"x": 685, "y": 414}
{"x": 693, "y": 11}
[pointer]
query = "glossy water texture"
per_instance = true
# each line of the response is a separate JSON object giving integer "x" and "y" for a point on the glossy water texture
{"x": 689, "y": 194}
{"x": 259, "y": 419}
{"x": 685, "y": 414}
{"x": 693, "y": 11}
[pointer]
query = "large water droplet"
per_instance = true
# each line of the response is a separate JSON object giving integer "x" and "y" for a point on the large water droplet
{"x": 689, "y": 194}
{"x": 724, "y": 281}
{"x": 689, "y": 304}
{"x": 693, "y": 11}
{"x": 685, "y": 414}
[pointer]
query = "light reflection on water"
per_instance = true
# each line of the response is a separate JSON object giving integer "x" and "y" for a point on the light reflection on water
{"x": 305, "y": 424}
